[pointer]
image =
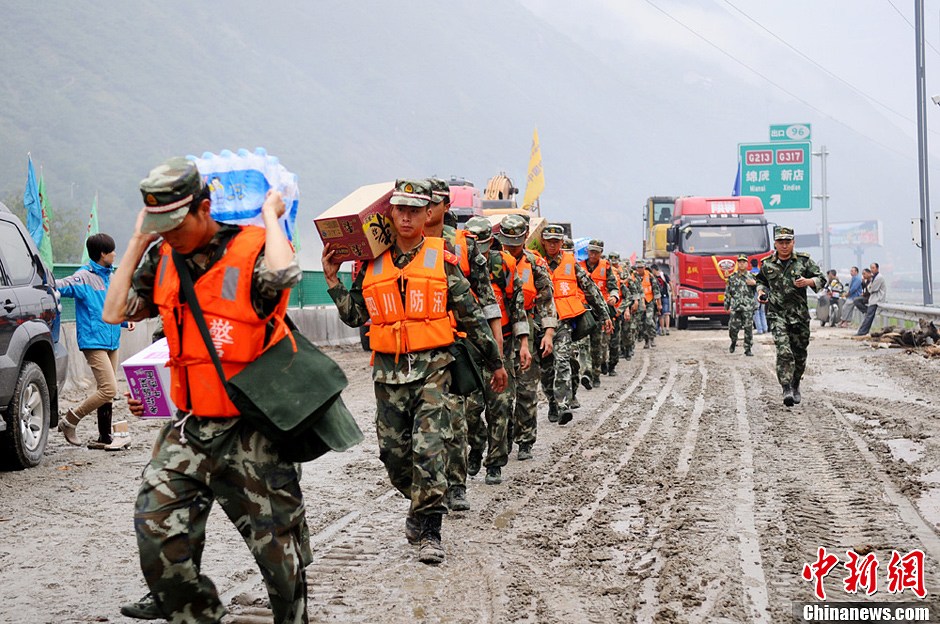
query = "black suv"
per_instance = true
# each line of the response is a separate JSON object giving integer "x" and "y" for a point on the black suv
{"x": 33, "y": 358}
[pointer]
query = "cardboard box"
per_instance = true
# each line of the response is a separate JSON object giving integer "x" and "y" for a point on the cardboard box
{"x": 149, "y": 380}
{"x": 357, "y": 226}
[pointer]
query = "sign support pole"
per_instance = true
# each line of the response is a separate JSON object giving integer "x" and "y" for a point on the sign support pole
{"x": 824, "y": 197}
{"x": 925, "y": 259}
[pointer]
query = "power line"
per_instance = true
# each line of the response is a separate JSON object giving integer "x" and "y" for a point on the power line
{"x": 772, "y": 82}
{"x": 904, "y": 17}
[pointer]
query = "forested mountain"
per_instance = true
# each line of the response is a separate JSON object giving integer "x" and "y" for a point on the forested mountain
{"x": 348, "y": 93}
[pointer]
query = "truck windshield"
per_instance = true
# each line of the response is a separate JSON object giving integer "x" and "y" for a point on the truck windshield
{"x": 724, "y": 239}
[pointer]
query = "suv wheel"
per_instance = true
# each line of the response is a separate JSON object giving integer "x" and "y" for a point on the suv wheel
{"x": 27, "y": 419}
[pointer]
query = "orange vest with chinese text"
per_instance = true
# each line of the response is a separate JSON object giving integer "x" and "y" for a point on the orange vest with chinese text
{"x": 568, "y": 296}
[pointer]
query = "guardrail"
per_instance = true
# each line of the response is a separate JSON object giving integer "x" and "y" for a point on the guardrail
{"x": 905, "y": 315}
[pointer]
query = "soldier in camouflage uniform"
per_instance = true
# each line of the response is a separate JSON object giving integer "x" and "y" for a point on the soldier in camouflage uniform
{"x": 411, "y": 363}
{"x": 539, "y": 305}
{"x": 613, "y": 351}
{"x": 209, "y": 453}
{"x": 567, "y": 277}
{"x": 507, "y": 286}
{"x": 474, "y": 267}
{"x": 781, "y": 284}
{"x": 650, "y": 302}
{"x": 632, "y": 295}
{"x": 739, "y": 300}
{"x": 580, "y": 353}
{"x": 603, "y": 276}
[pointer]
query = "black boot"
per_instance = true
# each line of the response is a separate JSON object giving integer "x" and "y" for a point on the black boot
{"x": 474, "y": 461}
{"x": 646, "y": 345}
{"x": 144, "y": 609}
{"x": 796, "y": 392}
{"x": 733, "y": 345}
{"x": 610, "y": 369}
{"x": 552, "y": 412}
{"x": 431, "y": 550}
{"x": 603, "y": 368}
{"x": 104, "y": 427}
{"x": 788, "y": 395}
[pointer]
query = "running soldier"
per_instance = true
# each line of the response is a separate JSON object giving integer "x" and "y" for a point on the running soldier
{"x": 739, "y": 300}
{"x": 507, "y": 288}
{"x": 781, "y": 284}
{"x": 567, "y": 279}
{"x": 407, "y": 293}
{"x": 539, "y": 303}
{"x": 474, "y": 268}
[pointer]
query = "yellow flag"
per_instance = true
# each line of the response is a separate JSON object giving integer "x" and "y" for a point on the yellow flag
{"x": 535, "y": 180}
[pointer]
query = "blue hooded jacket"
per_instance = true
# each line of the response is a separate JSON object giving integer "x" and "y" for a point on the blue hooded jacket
{"x": 88, "y": 286}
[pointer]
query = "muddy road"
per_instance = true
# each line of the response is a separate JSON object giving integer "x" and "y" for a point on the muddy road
{"x": 683, "y": 491}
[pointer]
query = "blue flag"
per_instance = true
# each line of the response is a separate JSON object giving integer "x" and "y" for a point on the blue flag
{"x": 33, "y": 205}
{"x": 736, "y": 191}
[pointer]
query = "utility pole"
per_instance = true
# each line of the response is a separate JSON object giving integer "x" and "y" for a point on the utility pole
{"x": 824, "y": 197}
{"x": 925, "y": 259}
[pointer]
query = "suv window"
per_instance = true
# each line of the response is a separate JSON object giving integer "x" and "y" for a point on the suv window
{"x": 17, "y": 258}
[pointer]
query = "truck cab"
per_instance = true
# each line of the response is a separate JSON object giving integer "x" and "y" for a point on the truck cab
{"x": 706, "y": 236}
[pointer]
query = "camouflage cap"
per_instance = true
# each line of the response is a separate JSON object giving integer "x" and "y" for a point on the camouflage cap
{"x": 595, "y": 244}
{"x": 553, "y": 231}
{"x": 567, "y": 244}
{"x": 512, "y": 230}
{"x": 742, "y": 257}
{"x": 411, "y": 193}
{"x": 168, "y": 191}
{"x": 481, "y": 228}
{"x": 640, "y": 264}
{"x": 440, "y": 191}
{"x": 614, "y": 257}
{"x": 783, "y": 233}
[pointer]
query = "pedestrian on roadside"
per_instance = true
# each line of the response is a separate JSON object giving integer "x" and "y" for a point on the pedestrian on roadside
{"x": 877, "y": 292}
{"x": 665, "y": 290}
{"x": 99, "y": 342}
{"x": 739, "y": 301}
{"x": 760, "y": 309}
{"x": 854, "y": 292}
{"x": 242, "y": 277}
{"x": 781, "y": 284}
{"x": 861, "y": 303}
{"x": 408, "y": 293}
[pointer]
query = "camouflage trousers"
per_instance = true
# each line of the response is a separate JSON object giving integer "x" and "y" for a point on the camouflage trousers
{"x": 492, "y": 435}
{"x": 455, "y": 435}
{"x": 556, "y": 368}
{"x": 599, "y": 341}
{"x": 525, "y": 410}
{"x": 628, "y": 335}
{"x": 613, "y": 350}
{"x": 581, "y": 360}
{"x": 742, "y": 318}
{"x": 228, "y": 461}
{"x": 411, "y": 424}
{"x": 791, "y": 340}
{"x": 646, "y": 323}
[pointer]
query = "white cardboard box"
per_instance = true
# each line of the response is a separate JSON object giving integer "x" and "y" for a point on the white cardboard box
{"x": 149, "y": 380}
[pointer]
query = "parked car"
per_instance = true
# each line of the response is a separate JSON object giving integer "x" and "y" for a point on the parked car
{"x": 33, "y": 358}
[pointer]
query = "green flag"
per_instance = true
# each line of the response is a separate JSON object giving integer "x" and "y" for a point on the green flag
{"x": 45, "y": 245}
{"x": 92, "y": 228}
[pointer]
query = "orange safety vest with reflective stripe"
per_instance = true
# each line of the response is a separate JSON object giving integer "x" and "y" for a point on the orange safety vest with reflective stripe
{"x": 568, "y": 295}
{"x": 647, "y": 287}
{"x": 525, "y": 271}
{"x": 599, "y": 275}
{"x": 510, "y": 263}
{"x": 463, "y": 252}
{"x": 224, "y": 294}
{"x": 419, "y": 321}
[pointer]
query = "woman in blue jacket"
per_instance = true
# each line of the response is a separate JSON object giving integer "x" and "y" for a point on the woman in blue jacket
{"x": 98, "y": 342}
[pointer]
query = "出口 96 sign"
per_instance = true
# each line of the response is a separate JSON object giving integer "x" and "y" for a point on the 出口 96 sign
{"x": 778, "y": 173}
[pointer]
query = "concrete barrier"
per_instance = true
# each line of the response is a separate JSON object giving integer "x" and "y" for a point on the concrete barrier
{"x": 321, "y": 324}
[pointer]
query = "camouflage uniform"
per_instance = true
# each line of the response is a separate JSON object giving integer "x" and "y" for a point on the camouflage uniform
{"x": 739, "y": 300}
{"x": 646, "y": 327}
{"x": 599, "y": 340}
{"x": 221, "y": 459}
{"x": 613, "y": 349}
{"x": 556, "y": 368}
{"x": 411, "y": 422}
{"x": 632, "y": 296}
{"x": 787, "y": 310}
{"x": 455, "y": 440}
{"x": 493, "y": 436}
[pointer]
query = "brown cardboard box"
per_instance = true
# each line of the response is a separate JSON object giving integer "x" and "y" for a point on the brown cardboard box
{"x": 357, "y": 226}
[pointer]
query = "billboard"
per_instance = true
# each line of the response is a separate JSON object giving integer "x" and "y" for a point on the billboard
{"x": 855, "y": 234}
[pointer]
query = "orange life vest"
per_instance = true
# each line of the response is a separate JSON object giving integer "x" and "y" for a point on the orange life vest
{"x": 462, "y": 251}
{"x": 224, "y": 294}
{"x": 647, "y": 287}
{"x": 525, "y": 271}
{"x": 419, "y": 321}
{"x": 568, "y": 295}
{"x": 510, "y": 263}
{"x": 599, "y": 275}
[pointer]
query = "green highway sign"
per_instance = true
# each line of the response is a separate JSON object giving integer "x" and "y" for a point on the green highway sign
{"x": 790, "y": 132}
{"x": 778, "y": 173}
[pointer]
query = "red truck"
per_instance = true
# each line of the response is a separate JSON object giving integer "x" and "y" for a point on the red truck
{"x": 706, "y": 236}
